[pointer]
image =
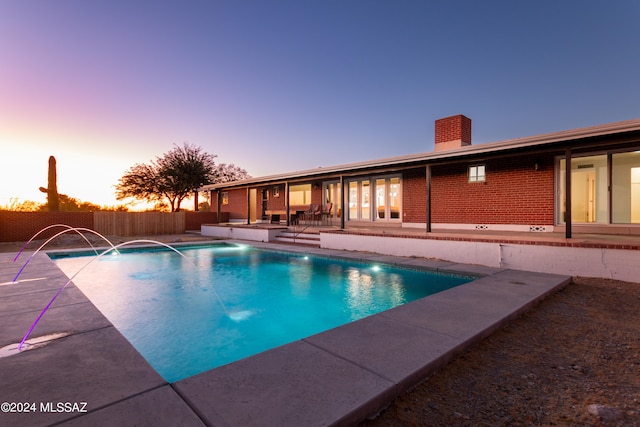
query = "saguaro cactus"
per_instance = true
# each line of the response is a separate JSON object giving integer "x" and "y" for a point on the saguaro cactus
{"x": 53, "y": 202}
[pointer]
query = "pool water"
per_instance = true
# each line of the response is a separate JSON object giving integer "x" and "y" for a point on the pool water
{"x": 218, "y": 304}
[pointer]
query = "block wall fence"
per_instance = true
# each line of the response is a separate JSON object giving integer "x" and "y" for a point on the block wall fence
{"x": 21, "y": 226}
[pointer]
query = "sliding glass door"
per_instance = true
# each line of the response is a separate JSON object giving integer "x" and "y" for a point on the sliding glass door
{"x": 605, "y": 188}
{"x": 375, "y": 199}
{"x": 625, "y": 180}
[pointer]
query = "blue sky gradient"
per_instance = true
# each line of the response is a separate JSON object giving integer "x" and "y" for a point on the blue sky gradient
{"x": 278, "y": 86}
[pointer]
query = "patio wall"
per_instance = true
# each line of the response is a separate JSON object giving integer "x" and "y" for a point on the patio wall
{"x": 256, "y": 234}
{"x": 601, "y": 262}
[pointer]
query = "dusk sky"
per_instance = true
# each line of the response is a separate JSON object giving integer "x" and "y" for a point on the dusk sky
{"x": 279, "y": 86}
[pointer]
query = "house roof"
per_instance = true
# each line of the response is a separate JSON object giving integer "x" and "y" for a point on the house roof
{"x": 538, "y": 141}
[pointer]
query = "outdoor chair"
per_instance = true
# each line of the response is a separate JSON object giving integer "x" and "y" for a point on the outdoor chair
{"x": 309, "y": 213}
{"x": 326, "y": 213}
{"x": 316, "y": 215}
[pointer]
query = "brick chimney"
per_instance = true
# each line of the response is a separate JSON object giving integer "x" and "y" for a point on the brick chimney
{"x": 453, "y": 132}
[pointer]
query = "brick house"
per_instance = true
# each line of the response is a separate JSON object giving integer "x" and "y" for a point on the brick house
{"x": 514, "y": 185}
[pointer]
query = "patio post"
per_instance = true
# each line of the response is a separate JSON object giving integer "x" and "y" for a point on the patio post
{"x": 342, "y": 203}
{"x": 248, "y": 206}
{"x": 428, "y": 201}
{"x": 567, "y": 193}
{"x": 219, "y": 203}
{"x": 287, "y": 203}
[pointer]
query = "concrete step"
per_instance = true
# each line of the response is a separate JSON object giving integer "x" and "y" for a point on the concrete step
{"x": 312, "y": 239}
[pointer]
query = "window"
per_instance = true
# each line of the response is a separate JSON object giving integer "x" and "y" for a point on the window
{"x": 476, "y": 173}
{"x": 626, "y": 188}
{"x": 225, "y": 197}
{"x": 605, "y": 188}
{"x": 588, "y": 189}
{"x": 300, "y": 194}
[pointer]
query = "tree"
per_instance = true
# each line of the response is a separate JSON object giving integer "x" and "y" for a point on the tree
{"x": 228, "y": 172}
{"x": 174, "y": 176}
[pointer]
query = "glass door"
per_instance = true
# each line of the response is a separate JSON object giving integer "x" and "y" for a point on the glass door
{"x": 589, "y": 192}
{"x": 360, "y": 200}
{"x": 387, "y": 198}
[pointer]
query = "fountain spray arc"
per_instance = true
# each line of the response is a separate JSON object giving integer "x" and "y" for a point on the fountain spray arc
{"x": 69, "y": 229}
{"x": 237, "y": 316}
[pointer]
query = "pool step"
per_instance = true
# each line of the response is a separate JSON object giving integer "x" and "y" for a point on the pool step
{"x": 309, "y": 238}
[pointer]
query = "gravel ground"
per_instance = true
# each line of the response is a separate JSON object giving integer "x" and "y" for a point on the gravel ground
{"x": 573, "y": 360}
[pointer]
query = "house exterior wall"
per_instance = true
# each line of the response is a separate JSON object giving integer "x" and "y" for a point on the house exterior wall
{"x": 414, "y": 196}
{"x": 513, "y": 193}
{"x": 316, "y": 192}
{"x": 237, "y": 207}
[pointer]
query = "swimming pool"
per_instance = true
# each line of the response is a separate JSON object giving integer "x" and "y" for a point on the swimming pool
{"x": 221, "y": 303}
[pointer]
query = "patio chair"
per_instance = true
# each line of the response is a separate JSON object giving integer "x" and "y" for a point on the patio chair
{"x": 326, "y": 213}
{"x": 309, "y": 213}
{"x": 316, "y": 215}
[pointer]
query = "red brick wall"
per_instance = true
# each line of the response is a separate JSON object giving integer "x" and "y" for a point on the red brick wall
{"x": 237, "y": 207}
{"x": 316, "y": 193}
{"x": 454, "y": 128}
{"x": 275, "y": 203}
{"x": 21, "y": 226}
{"x": 513, "y": 193}
{"x": 414, "y": 196}
{"x": 194, "y": 220}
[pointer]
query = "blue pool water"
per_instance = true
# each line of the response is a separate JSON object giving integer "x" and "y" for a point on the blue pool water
{"x": 169, "y": 307}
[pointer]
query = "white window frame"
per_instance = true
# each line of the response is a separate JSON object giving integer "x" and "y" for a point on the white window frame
{"x": 475, "y": 175}
{"x": 387, "y": 207}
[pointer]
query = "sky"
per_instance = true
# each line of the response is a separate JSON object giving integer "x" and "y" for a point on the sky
{"x": 276, "y": 86}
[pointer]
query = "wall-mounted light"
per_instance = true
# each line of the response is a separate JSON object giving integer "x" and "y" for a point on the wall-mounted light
{"x": 536, "y": 166}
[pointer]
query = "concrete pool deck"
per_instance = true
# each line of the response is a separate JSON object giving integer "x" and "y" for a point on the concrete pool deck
{"x": 337, "y": 377}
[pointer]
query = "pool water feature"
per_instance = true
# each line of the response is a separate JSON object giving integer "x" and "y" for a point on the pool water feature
{"x": 168, "y": 307}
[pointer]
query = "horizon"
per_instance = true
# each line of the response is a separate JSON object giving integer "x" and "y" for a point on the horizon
{"x": 102, "y": 86}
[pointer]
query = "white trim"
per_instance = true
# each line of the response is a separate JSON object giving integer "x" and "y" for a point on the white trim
{"x": 238, "y": 221}
{"x": 243, "y": 233}
{"x": 534, "y": 228}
